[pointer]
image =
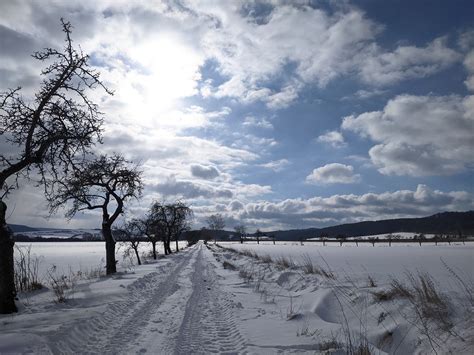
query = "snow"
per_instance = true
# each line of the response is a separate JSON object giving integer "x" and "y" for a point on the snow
{"x": 69, "y": 257}
{"x": 401, "y": 235}
{"x": 215, "y": 300}
{"x": 381, "y": 261}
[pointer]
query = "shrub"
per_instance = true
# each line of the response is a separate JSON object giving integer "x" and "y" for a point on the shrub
{"x": 26, "y": 270}
{"x": 63, "y": 286}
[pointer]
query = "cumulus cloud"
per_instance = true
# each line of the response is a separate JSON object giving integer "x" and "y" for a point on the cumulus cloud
{"x": 251, "y": 121}
{"x": 204, "y": 172}
{"x": 469, "y": 64}
{"x": 336, "y": 209}
{"x": 334, "y": 138}
{"x": 189, "y": 189}
{"x": 156, "y": 51}
{"x": 406, "y": 62}
{"x": 236, "y": 205}
{"x": 320, "y": 45}
{"x": 334, "y": 173}
{"x": 276, "y": 165}
{"x": 419, "y": 135}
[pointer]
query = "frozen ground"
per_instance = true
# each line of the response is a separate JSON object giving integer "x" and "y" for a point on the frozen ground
{"x": 380, "y": 262}
{"x": 215, "y": 300}
{"x": 80, "y": 256}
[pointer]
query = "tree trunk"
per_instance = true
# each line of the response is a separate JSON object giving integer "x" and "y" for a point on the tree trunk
{"x": 7, "y": 278}
{"x": 153, "y": 245}
{"x": 110, "y": 263}
{"x": 177, "y": 249}
{"x": 168, "y": 246}
{"x": 137, "y": 255}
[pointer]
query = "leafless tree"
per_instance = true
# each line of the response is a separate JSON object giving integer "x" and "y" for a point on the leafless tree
{"x": 152, "y": 234}
{"x": 215, "y": 222}
{"x": 258, "y": 234}
{"x": 240, "y": 230}
{"x": 132, "y": 233}
{"x": 45, "y": 133}
{"x": 102, "y": 184}
{"x": 170, "y": 220}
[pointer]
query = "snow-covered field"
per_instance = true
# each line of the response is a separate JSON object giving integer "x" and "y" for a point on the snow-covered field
{"x": 80, "y": 256}
{"x": 380, "y": 262}
{"x": 217, "y": 300}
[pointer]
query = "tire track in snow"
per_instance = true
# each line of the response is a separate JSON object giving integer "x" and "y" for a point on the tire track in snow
{"x": 208, "y": 325}
{"x": 121, "y": 322}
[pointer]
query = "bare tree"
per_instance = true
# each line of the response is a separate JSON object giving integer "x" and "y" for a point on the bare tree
{"x": 150, "y": 233}
{"x": 215, "y": 223}
{"x": 132, "y": 233}
{"x": 170, "y": 220}
{"x": 258, "y": 234}
{"x": 45, "y": 133}
{"x": 102, "y": 184}
{"x": 240, "y": 230}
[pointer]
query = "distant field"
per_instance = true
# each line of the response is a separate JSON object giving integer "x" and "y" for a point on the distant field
{"x": 381, "y": 261}
{"x": 79, "y": 255}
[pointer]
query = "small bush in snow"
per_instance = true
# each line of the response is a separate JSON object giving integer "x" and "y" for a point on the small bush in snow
{"x": 63, "y": 286}
{"x": 26, "y": 270}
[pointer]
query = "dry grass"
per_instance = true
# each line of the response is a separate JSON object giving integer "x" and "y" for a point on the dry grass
{"x": 26, "y": 270}
{"x": 63, "y": 286}
{"x": 285, "y": 262}
{"x": 229, "y": 266}
{"x": 266, "y": 259}
{"x": 311, "y": 268}
{"x": 425, "y": 297}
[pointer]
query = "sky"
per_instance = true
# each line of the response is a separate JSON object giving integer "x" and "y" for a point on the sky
{"x": 276, "y": 114}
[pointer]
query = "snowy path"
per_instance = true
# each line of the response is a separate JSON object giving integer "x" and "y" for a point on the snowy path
{"x": 179, "y": 309}
{"x": 214, "y": 300}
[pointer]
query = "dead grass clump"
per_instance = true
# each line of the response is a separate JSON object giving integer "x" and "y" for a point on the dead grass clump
{"x": 266, "y": 259}
{"x": 311, "y": 268}
{"x": 371, "y": 282}
{"x": 229, "y": 266}
{"x": 464, "y": 285}
{"x": 421, "y": 291}
{"x": 428, "y": 301}
{"x": 26, "y": 270}
{"x": 247, "y": 275}
{"x": 63, "y": 286}
{"x": 329, "y": 345}
{"x": 307, "y": 264}
{"x": 249, "y": 253}
{"x": 285, "y": 262}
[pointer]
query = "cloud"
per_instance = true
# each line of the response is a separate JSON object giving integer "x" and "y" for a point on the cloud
{"x": 419, "y": 135}
{"x": 236, "y": 205}
{"x": 469, "y": 64}
{"x": 363, "y": 94}
{"x": 189, "y": 189}
{"x": 334, "y": 173}
{"x": 276, "y": 165}
{"x": 157, "y": 51}
{"x": 251, "y": 121}
{"x": 406, "y": 62}
{"x": 320, "y": 46}
{"x": 204, "y": 172}
{"x": 337, "y": 209}
{"x": 334, "y": 138}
